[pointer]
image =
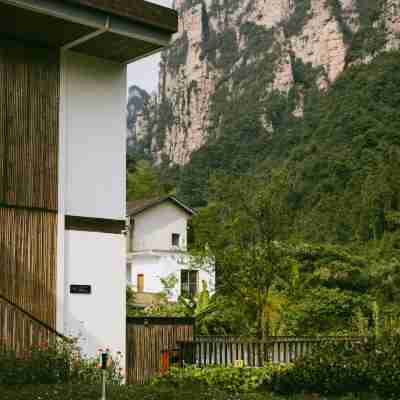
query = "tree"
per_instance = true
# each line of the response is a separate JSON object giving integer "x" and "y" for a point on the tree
{"x": 143, "y": 182}
{"x": 241, "y": 230}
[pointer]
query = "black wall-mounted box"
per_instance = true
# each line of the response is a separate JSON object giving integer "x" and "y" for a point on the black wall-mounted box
{"x": 80, "y": 289}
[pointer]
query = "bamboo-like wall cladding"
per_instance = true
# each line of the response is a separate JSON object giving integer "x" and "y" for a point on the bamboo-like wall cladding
{"x": 20, "y": 333}
{"x": 29, "y": 93}
{"x": 28, "y": 261}
{"x": 29, "y": 96}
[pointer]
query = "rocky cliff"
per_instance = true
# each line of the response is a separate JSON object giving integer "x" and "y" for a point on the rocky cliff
{"x": 237, "y": 59}
{"x": 137, "y": 99}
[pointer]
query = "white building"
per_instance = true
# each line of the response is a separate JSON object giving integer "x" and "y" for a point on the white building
{"x": 63, "y": 161}
{"x": 157, "y": 250}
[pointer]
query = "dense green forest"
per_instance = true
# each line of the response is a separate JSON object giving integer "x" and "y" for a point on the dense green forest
{"x": 304, "y": 223}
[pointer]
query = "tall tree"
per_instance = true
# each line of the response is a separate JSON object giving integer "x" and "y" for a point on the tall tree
{"x": 241, "y": 229}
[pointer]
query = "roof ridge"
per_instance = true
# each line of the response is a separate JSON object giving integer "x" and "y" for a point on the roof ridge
{"x": 138, "y": 206}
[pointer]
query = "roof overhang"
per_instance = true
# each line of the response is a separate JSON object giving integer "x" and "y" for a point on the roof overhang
{"x": 94, "y": 27}
{"x": 137, "y": 209}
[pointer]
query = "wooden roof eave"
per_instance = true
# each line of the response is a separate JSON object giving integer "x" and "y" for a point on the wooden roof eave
{"x": 138, "y": 11}
{"x": 100, "y": 23}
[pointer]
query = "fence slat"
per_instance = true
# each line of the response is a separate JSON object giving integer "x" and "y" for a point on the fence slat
{"x": 215, "y": 350}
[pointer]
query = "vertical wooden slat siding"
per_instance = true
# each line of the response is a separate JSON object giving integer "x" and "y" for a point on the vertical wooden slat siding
{"x": 27, "y": 259}
{"x": 28, "y": 125}
{"x": 145, "y": 344}
{"x": 29, "y": 97}
{"x": 3, "y": 108}
{"x": 19, "y": 332}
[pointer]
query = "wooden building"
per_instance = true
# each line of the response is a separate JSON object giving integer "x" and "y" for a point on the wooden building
{"x": 62, "y": 161}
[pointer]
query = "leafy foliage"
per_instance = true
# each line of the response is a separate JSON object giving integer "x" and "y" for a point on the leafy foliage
{"x": 230, "y": 379}
{"x": 54, "y": 364}
{"x": 336, "y": 245}
{"x": 137, "y": 392}
{"x": 143, "y": 182}
{"x": 339, "y": 368}
{"x": 370, "y": 37}
{"x": 333, "y": 368}
{"x": 294, "y": 25}
{"x": 249, "y": 217}
{"x": 336, "y": 8}
{"x": 345, "y": 152}
{"x": 269, "y": 280}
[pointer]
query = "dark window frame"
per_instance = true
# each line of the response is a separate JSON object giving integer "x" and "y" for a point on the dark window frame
{"x": 189, "y": 282}
{"x": 175, "y": 239}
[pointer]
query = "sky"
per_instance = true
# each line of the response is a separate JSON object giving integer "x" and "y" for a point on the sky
{"x": 144, "y": 73}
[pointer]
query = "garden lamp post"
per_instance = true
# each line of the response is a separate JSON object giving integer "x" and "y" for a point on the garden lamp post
{"x": 104, "y": 360}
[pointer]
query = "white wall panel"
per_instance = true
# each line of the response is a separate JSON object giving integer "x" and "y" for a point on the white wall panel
{"x": 95, "y": 135}
{"x": 96, "y": 259}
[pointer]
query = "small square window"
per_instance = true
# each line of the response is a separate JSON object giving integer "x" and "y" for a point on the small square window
{"x": 176, "y": 239}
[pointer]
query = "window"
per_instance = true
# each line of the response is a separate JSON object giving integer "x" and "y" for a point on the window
{"x": 189, "y": 282}
{"x": 176, "y": 239}
{"x": 129, "y": 273}
{"x": 131, "y": 235}
{"x": 140, "y": 283}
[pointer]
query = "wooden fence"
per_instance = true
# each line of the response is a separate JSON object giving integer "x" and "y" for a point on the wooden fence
{"x": 20, "y": 331}
{"x": 251, "y": 353}
{"x": 147, "y": 338}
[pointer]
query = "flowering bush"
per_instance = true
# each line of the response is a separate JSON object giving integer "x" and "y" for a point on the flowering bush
{"x": 60, "y": 362}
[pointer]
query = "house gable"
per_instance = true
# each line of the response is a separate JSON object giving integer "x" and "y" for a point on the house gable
{"x": 155, "y": 227}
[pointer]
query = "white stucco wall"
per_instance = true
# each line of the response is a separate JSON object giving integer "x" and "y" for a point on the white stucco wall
{"x": 95, "y": 121}
{"x": 97, "y": 319}
{"x": 154, "y": 227}
{"x": 92, "y": 184}
{"x": 159, "y": 265}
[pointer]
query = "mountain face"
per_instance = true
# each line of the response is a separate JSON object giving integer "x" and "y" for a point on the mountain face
{"x": 238, "y": 62}
{"x": 137, "y": 99}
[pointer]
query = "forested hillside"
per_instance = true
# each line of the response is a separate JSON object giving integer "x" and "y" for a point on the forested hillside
{"x": 282, "y": 128}
{"x": 343, "y": 155}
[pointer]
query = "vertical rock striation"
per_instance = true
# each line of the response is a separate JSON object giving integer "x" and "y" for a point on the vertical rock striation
{"x": 228, "y": 52}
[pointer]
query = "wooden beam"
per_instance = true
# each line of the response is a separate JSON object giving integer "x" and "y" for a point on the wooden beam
{"x": 100, "y": 225}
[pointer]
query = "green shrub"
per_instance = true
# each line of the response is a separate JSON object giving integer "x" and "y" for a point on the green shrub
{"x": 52, "y": 364}
{"x": 369, "y": 368}
{"x": 340, "y": 368}
{"x": 230, "y": 379}
{"x": 136, "y": 392}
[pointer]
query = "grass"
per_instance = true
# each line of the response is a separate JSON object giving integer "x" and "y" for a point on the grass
{"x": 92, "y": 392}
